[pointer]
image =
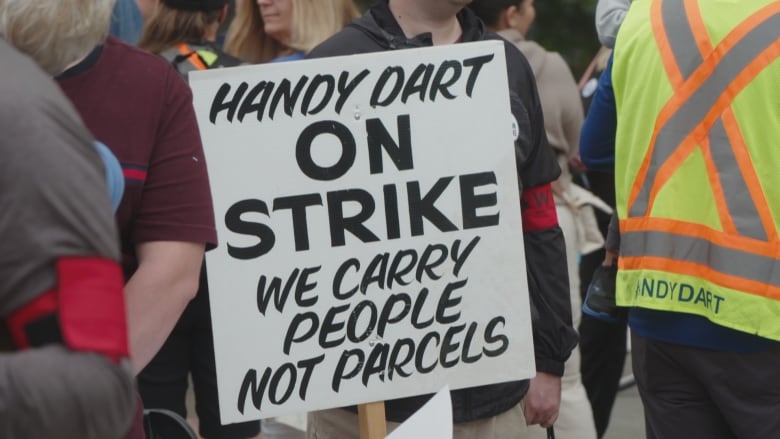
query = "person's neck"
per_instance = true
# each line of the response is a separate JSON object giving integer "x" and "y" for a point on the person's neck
{"x": 75, "y": 63}
{"x": 416, "y": 17}
{"x": 210, "y": 34}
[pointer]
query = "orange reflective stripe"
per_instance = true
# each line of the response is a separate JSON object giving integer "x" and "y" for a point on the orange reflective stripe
{"x": 743, "y": 243}
{"x": 664, "y": 47}
{"x": 690, "y": 86}
{"x": 670, "y": 166}
{"x": 717, "y": 190}
{"x": 698, "y": 27}
{"x": 702, "y": 38}
{"x": 741, "y": 81}
{"x": 701, "y": 271}
{"x": 736, "y": 140}
{"x": 749, "y": 24}
{"x": 195, "y": 60}
{"x": 745, "y": 164}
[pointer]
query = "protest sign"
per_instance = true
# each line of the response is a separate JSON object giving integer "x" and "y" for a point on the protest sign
{"x": 368, "y": 215}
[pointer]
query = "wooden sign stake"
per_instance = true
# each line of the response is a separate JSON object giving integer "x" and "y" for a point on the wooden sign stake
{"x": 372, "y": 420}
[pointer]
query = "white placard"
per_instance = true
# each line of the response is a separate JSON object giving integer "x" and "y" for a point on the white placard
{"x": 368, "y": 215}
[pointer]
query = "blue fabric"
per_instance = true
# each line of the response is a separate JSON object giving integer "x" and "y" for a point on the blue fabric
{"x": 597, "y": 150}
{"x": 294, "y": 57}
{"x": 126, "y": 21}
{"x": 693, "y": 330}
{"x": 114, "y": 176}
{"x": 597, "y": 138}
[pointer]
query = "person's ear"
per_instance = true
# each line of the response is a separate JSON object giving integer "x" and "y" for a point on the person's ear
{"x": 505, "y": 18}
{"x": 512, "y": 16}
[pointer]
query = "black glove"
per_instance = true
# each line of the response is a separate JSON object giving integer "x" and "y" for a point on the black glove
{"x": 600, "y": 298}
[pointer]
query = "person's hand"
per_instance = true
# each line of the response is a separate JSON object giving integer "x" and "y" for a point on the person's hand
{"x": 543, "y": 400}
{"x": 610, "y": 258}
{"x": 575, "y": 163}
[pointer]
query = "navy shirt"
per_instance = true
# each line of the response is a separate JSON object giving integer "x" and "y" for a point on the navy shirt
{"x": 597, "y": 138}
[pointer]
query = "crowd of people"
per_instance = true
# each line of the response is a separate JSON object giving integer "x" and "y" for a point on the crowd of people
{"x": 107, "y": 209}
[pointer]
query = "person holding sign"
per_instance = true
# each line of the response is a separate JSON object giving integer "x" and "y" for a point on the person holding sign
{"x": 495, "y": 410}
{"x": 284, "y": 30}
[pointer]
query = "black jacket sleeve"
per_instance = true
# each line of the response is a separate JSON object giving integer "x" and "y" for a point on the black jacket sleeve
{"x": 548, "y": 283}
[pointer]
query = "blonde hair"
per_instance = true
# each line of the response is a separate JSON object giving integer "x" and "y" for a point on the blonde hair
{"x": 55, "y": 33}
{"x": 313, "y": 21}
{"x": 168, "y": 27}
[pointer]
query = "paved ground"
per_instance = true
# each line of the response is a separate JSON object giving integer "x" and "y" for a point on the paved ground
{"x": 275, "y": 430}
{"x": 627, "y": 420}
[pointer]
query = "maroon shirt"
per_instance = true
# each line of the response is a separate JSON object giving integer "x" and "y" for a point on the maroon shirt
{"x": 138, "y": 105}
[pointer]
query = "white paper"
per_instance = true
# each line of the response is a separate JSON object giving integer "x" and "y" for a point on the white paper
{"x": 432, "y": 421}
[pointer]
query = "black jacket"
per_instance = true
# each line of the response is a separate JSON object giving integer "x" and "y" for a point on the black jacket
{"x": 554, "y": 337}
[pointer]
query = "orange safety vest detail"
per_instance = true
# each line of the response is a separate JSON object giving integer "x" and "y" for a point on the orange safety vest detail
{"x": 192, "y": 56}
{"x": 702, "y": 92}
{"x": 705, "y": 79}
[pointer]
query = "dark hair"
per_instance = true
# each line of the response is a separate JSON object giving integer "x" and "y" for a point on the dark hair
{"x": 196, "y": 5}
{"x": 490, "y": 10}
{"x": 169, "y": 27}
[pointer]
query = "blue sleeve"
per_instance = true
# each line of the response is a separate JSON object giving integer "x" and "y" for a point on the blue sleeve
{"x": 597, "y": 138}
{"x": 126, "y": 21}
{"x": 293, "y": 57}
{"x": 114, "y": 176}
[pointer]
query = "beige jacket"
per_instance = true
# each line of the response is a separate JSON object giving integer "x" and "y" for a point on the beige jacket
{"x": 563, "y": 115}
{"x": 563, "y": 118}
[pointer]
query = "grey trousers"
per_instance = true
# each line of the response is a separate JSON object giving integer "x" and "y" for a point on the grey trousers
{"x": 691, "y": 393}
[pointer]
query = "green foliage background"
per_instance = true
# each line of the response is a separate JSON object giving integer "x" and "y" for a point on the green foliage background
{"x": 564, "y": 26}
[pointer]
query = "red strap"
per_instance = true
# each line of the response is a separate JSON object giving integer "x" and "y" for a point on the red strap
{"x": 195, "y": 60}
{"x": 538, "y": 208}
{"x": 92, "y": 306}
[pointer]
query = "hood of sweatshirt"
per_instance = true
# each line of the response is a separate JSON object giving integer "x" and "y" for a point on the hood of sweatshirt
{"x": 534, "y": 53}
{"x": 380, "y": 25}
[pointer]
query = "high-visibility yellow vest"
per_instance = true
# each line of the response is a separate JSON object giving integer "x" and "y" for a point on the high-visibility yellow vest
{"x": 186, "y": 58}
{"x": 697, "y": 88}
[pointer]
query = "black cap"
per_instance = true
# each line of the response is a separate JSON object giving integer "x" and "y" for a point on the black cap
{"x": 195, "y": 5}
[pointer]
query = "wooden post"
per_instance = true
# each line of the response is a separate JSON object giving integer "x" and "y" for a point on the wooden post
{"x": 372, "y": 420}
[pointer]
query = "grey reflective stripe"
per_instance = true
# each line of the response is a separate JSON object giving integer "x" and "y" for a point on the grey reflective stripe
{"x": 725, "y": 260}
{"x": 692, "y": 112}
{"x": 689, "y": 58}
{"x": 738, "y": 199}
{"x": 681, "y": 38}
